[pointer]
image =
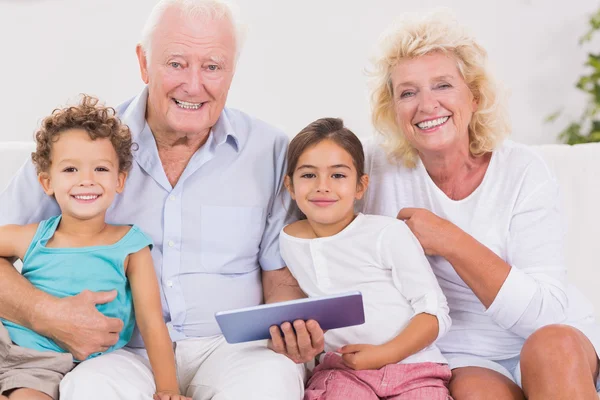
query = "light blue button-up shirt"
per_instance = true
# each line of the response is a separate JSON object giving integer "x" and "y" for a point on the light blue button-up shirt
{"x": 212, "y": 232}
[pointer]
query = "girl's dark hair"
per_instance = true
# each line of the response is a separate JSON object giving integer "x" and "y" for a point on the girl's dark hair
{"x": 326, "y": 129}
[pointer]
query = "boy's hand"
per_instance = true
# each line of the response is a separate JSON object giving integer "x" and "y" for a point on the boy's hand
{"x": 364, "y": 356}
{"x": 168, "y": 395}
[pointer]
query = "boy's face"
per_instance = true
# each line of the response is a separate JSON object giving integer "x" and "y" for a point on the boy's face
{"x": 84, "y": 174}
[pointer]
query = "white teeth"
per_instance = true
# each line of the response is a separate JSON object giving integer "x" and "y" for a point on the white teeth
{"x": 188, "y": 106}
{"x": 89, "y": 197}
{"x": 432, "y": 123}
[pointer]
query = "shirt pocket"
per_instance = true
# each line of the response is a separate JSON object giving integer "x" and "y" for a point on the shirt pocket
{"x": 230, "y": 238}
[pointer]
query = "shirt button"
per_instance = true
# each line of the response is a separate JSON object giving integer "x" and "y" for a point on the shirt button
{"x": 172, "y": 197}
{"x": 170, "y": 283}
{"x": 171, "y": 243}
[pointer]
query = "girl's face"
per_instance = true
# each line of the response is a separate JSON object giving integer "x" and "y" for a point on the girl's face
{"x": 325, "y": 186}
{"x": 84, "y": 175}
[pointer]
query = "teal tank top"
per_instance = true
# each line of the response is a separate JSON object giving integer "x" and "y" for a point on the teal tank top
{"x": 64, "y": 272}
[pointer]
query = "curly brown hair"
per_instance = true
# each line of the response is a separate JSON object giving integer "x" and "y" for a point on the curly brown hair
{"x": 97, "y": 120}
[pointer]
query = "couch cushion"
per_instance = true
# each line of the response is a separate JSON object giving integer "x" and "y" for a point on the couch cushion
{"x": 577, "y": 169}
{"x": 12, "y": 157}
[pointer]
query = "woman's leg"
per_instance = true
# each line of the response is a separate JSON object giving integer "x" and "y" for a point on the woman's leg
{"x": 27, "y": 394}
{"x": 559, "y": 362}
{"x": 475, "y": 383}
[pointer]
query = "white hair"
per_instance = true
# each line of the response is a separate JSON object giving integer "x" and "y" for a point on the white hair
{"x": 210, "y": 9}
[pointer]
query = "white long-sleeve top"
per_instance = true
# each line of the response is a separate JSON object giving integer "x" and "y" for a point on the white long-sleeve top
{"x": 380, "y": 257}
{"x": 514, "y": 212}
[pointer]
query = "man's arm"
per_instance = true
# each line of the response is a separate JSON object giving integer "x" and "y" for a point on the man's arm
{"x": 18, "y": 297}
{"x": 280, "y": 285}
{"x": 73, "y": 322}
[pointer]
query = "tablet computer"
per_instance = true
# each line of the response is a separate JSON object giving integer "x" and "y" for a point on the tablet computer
{"x": 253, "y": 323}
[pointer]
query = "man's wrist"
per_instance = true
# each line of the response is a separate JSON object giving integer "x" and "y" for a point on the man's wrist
{"x": 40, "y": 314}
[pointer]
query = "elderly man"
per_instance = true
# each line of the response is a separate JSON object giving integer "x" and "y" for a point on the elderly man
{"x": 206, "y": 186}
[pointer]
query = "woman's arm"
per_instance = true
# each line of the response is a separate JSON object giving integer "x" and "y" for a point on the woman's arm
{"x": 526, "y": 291}
{"x": 149, "y": 318}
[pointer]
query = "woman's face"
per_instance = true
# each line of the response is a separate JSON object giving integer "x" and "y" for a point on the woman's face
{"x": 433, "y": 104}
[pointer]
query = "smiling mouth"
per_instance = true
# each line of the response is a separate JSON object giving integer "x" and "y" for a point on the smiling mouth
{"x": 86, "y": 198}
{"x": 432, "y": 123}
{"x": 323, "y": 203}
{"x": 187, "y": 105}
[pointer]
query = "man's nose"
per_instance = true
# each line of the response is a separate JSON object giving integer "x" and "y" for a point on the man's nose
{"x": 194, "y": 81}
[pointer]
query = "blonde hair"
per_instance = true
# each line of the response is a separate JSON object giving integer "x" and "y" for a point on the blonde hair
{"x": 413, "y": 37}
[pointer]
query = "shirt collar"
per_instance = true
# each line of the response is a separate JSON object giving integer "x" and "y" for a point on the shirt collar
{"x": 223, "y": 131}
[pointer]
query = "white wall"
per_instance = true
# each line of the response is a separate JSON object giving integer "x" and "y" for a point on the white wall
{"x": 302, "y": 60}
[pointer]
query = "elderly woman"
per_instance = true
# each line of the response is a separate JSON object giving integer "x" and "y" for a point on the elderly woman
{"x": 486, "y": 211}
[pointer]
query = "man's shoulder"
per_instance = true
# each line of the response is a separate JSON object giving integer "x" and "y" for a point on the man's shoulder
{"x": 246, "y": 124}
{"x": 122, "y": 107}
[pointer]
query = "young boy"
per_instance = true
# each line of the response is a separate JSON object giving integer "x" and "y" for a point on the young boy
{"x": 82, "y": 158}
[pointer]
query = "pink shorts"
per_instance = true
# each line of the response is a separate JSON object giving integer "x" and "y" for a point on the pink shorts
{"x": 332, "y": 380}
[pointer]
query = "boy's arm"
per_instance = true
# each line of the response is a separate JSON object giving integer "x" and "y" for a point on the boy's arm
{"x": 149, "y": 318}
{"x": 15, "y": 240}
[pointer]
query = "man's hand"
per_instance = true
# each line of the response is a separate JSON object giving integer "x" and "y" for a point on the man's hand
{"x": 364, "y": 356}
{"x": 301, "y": 343}
{"x": 77, "y": 326}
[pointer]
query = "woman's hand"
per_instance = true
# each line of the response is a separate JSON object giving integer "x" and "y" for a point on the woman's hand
{"x": 364, "y": 356}
{"x": 436, "y": 235}
{"x": 300, "y": 343}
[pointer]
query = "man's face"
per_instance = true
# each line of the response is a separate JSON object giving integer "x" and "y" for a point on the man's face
{"x": 188, "y": 72}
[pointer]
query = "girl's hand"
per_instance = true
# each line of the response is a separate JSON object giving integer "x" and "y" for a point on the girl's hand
{"x": 364, "y": 356}
{"x": 436, "y": 235}
{"x": 168, "y": 395}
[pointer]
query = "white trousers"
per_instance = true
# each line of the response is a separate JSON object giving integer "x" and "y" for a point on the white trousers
{"x": 207, "y": 368}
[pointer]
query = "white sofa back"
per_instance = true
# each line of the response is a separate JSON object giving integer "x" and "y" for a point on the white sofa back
{"x": 578, "y": 172}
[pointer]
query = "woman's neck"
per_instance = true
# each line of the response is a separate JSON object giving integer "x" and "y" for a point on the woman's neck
{"x": 457, "y": 174}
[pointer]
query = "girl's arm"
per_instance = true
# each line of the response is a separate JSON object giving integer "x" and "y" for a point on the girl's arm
{"x": 149, "y": 318}
{"x": 15, "y": 240}
{"x": 420, "y": 332}
{"x": 412, "y": 275}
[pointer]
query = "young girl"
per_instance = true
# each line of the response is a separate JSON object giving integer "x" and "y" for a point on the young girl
{"x": 333, "y": 250}
{"x": 82, "y": 158}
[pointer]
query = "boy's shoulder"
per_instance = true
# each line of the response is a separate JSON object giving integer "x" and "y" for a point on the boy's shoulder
{"x": 300, "y": 229}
